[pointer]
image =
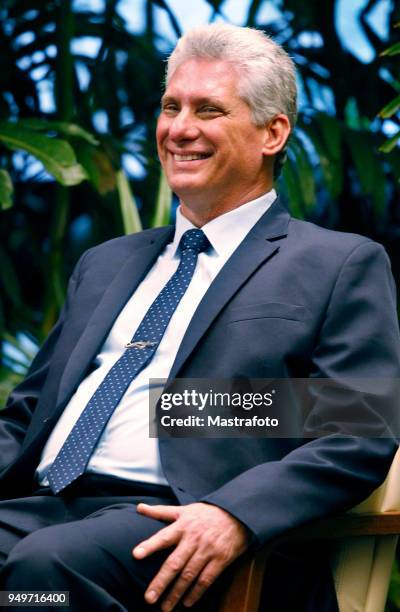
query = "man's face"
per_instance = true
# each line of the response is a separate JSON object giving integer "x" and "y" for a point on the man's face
{"x": 207, "y": 143}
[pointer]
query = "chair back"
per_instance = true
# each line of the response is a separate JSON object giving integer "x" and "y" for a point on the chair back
{"x": 362, "y": 566}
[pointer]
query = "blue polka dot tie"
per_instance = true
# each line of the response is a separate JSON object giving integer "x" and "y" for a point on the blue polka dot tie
{"x": 76, "y": 451}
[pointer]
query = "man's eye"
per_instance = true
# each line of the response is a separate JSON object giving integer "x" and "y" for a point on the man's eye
{"x": 209, "y": 112}
{"x": 169, "y": 108}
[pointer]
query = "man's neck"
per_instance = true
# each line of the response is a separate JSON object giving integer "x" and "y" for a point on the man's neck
{"x": 200, "y": 211}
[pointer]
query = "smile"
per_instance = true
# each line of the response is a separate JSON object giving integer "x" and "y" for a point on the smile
{"x": 190, "y": 156}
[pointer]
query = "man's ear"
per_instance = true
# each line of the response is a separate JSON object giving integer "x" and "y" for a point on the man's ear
{"x": 276, "y": 134}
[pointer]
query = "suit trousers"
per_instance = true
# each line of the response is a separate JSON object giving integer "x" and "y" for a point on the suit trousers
{"x": 82, "y": 541}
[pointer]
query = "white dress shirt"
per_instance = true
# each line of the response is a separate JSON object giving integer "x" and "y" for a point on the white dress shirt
{"x": 125, "y": 449}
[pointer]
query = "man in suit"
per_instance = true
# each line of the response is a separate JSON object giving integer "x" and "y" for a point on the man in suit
{"x": 252, "y": 294}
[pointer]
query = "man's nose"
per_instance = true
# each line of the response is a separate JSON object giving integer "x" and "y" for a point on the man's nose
{"x": 183, "y": 126}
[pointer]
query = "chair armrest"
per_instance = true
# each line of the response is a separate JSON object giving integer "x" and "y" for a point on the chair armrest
{"x": 244, "y": 592}
{"x": 347, "y": 525}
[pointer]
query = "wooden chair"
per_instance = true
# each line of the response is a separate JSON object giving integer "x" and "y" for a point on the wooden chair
{"x": 364, "y": 550}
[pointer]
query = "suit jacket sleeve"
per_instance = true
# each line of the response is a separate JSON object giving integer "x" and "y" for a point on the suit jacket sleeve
{"x": 359, "y": 338}
{"x": 16, "y": 416}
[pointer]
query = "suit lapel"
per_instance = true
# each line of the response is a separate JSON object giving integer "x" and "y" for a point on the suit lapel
{"x": 114, "y": 299}
{"x": 255, "y": 250}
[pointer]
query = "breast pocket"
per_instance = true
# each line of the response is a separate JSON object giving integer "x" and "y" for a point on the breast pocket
{"x": 270, "y": 310}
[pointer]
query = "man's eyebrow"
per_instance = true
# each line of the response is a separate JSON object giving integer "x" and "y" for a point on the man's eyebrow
{"x": 167, "y": 98}
{"x": 200, "y": 100}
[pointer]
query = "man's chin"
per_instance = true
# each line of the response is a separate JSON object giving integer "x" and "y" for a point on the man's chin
{"x": 188, "y": 190}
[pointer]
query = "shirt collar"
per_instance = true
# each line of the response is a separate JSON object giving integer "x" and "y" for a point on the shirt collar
{"x": 227, "y": 231}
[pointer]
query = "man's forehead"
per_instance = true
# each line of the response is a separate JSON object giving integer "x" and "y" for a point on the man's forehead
{"x": 202, "y": 78}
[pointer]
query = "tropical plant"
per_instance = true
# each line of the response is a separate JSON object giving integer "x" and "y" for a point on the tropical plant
{"x": 67, "y": 152}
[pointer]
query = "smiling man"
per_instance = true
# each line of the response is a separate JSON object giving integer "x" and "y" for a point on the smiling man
{"x": 236, "y": 289}
{"x": 206, "y": 136}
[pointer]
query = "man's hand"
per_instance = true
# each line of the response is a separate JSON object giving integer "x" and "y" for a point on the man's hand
{"x": 206, "y": 539}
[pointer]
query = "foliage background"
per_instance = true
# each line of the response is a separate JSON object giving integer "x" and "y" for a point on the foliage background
{"x": 79, "y": 96}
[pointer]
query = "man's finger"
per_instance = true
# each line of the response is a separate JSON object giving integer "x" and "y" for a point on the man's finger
{"x": 159, "y": 541}
{"x": 173, "y": 565}
{"x": 207, "y": 577}
{"x": 161, "y": 513}
{"x": 188, "y": 575}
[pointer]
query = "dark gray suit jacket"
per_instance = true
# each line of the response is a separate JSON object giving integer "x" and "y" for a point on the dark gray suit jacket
{"x": 294, "y": 300}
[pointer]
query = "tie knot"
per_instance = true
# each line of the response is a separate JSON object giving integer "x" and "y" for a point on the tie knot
{"x": 194, "y": 239}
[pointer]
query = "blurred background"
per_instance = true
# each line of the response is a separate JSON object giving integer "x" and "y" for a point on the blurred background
{"x": 80, "y": 84}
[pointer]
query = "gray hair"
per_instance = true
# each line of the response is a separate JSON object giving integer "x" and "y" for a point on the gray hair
{"x": 267, "y": 75}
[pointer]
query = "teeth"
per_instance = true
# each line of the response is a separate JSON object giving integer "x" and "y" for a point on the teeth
{"x": 190, "y": 157}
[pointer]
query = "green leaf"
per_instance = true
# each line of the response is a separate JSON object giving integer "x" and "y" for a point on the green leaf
{"x": 6, "y": 190}
{"x": 390, "y": 144}
{"x": 394, "y": 586}
{"x": 69, "y": 175}
{"x": 363, "y": 159}
{"x": 331, "y": 133}
{"x": 70, "y": 129}
{"x": 98, "y": 166}
{"x": 368, "y": 167}
{"x": 56, "y": 155}
{"x": 331, "y": 167}
{"x": 163, "y": 205}
{"x": 393, "y": 50}
{"x": 390, "y": 109}
{"x": 305, "y": 174}
{"x": 352, "y": 116}
{"x": 330, "y": 141}
{"x": 8, "y": 380}
{"x": 129, "y": 210}
{"x": 291, "y": 183}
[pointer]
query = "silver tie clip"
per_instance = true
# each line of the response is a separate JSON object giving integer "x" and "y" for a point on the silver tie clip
{"x": 140, "y": 344}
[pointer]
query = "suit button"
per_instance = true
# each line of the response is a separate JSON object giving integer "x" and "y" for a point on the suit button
{"x": 45, "y": 420}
